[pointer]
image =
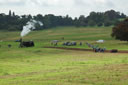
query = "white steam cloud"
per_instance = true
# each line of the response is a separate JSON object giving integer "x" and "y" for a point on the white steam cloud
{"x": 30, "y": 25}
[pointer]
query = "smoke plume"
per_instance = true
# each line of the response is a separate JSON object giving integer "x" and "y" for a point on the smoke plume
{"x": 30, "y": 25}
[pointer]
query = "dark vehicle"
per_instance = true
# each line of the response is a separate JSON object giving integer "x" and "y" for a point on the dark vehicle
{"x": 73, "y": 43}
{"x": 27, "y": 44}
{"x": 114, "y": 51}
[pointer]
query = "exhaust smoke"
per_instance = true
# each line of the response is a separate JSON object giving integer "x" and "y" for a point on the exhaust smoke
{"x": 30, "y": 25}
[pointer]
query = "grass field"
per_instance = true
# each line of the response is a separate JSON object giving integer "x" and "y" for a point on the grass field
{"x": 45, "y": 66}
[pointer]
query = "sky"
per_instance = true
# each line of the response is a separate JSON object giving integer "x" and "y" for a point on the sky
{"x": 73, "y": 8}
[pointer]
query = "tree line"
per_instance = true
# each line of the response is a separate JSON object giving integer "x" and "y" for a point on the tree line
{"x": 13, "y": 22}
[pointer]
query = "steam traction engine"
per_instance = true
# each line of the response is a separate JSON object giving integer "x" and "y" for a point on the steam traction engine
{"x": 26, "y": 43}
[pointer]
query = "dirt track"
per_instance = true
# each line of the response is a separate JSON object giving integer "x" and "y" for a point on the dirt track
{"x": 79, "y": 49}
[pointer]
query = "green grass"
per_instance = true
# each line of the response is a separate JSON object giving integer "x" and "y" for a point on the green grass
{"x": 81, "y": 34}
{"x": 70, "y": 33}
{"x": 45, "y": 66}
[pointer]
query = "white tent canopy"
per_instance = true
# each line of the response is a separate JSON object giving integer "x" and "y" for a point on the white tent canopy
{"x": 100, "y": 41}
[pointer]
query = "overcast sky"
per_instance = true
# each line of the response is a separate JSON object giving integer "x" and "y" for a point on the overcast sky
{"x": 73, "y": 8}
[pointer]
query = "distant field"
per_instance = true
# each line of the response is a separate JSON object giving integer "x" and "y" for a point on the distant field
{"x": 88, "y": 34}
{"x": 46, "y": 66}
{"x": 69, "y": 33}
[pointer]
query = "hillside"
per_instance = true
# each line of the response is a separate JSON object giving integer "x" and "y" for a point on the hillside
{"x": 81, "y": 34}
{"x": 69, "y": 33}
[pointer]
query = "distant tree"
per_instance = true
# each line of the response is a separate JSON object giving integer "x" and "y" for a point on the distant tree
{"x": 120, "y": 31}
{"x": 107, "y": 23}
{"x": 75, "y": 22}
{"x": 67, "y": 21}
{"x": 38, "y": 17}
{"x": 111, "y": 15}
{"x": 13, "y": 14}
{"x": 10, "y": 13}
{"x": 91, "y": 23}
{"x": 47, "y": 21}
{"x": 96, "y": 17}
{"x": 82, "y": 21}
{"x": 123, "y": 15}
{"x": 13, "y": 27}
